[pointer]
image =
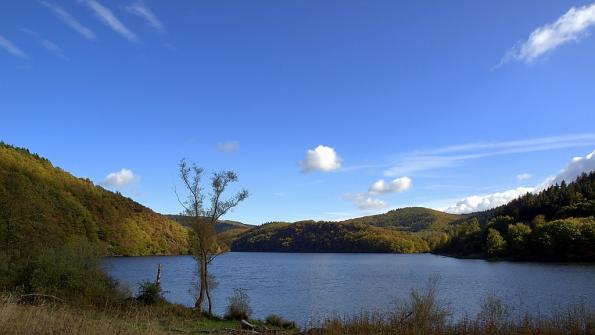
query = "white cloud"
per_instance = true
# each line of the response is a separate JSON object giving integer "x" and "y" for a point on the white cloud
{"x": 577, "y": 166}
{"x": 120, "y": 178}
{"x": 524, "y": 176}
{"x": 571, "y": 26}
{"x": 397, "y": 185}
{"x": 455, "y": 155}
{"x": 106, "y": 16}
{"x": 140, "y": 9}
{"x": 478, "y": 203}
{"x": 364, "y": 201}
{"x": 12, "y": 49}
{"x": 69, "y": 20}
{"x": 322, "y": 158}
{"x": 229, "y": 146}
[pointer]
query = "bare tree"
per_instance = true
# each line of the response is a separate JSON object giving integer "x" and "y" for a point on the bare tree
{"x": 205, "y": 246}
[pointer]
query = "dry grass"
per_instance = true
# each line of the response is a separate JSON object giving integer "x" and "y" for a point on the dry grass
{"x": 126, "y": 318}
{"x": 424, "y": 314}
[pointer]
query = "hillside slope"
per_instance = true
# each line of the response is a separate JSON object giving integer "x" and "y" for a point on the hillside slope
{"x": 410, "y": 219}
{"x": 43, "y": 205}
{"x": 310, "y": 236}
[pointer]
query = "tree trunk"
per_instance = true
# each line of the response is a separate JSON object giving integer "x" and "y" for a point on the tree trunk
{"x": 158, "y": 279}
{"x": 201, "y": 296}
{"x": 207, "y": 291}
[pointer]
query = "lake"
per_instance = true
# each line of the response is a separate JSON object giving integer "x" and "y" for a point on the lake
{"x": 307, "y": 287}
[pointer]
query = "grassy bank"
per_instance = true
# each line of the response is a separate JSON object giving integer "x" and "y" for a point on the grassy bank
{"x": 420, "y": 314}
{"x": 54, "y": 317}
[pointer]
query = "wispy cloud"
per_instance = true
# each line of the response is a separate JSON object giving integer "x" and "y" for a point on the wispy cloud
{"x": 228, "y": 146}
{"x": 451, "y": 156}
{"x": 571, "y": 26}
{"x": 140, "y": 9}
{"x": 364, "y": 201}
{"x": 524, "y": 176}
{"x": 108, "y": 18}
{"x": 69, "y": 20}
{"x": 12, "y": 49}
{"x": 50, "y": 46}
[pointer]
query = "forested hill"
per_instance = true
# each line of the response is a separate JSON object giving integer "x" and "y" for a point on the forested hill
{"x": 405, "y": 230}
{"x": 221, "y": 227}
{"x": 43, "y": 205}
{"x": 576, "y": 199}
{"x": 311, "y": 236}
{"x": 555, "y": 224}
{"x": 409, "y": 218}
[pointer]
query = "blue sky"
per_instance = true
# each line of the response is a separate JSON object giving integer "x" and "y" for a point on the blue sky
{"x": 440, "y": 100}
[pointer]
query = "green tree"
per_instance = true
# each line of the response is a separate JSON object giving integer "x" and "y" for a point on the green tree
{"x": 518, "y": 239}
{"x": 495, "y": 244}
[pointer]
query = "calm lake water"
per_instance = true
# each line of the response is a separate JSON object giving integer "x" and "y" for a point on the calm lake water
{"x": 307, "y": 287}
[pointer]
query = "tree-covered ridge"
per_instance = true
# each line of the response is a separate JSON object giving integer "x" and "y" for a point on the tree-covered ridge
{"x": 221, "y": 227}
{"x": 227, "y": 230}
{"x": 576, "y": 199}
{"x": 410, "y": 219}
{"x": 43, "y": 205}
{"x": 310, "y": 236}
{"x": 555, "y": 224}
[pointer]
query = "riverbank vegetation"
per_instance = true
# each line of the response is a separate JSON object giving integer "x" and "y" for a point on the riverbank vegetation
{"x": 424, "y": 313}
{"x": 421, "y": 313}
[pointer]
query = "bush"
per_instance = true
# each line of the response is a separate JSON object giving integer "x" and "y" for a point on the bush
{"x": 239, "y": 305}
{"x": 69, "y": 271}
{"x": 150, "y": 293}
{"x": 278, "y": 321}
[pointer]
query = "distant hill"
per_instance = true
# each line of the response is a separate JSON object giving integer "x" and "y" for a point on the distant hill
{"x": 404, "y": 230}
{"x": 227, "y": 230}
{"x": 221, "y": 227}
{"x": 310, "y": 236}
{"x": 42, "y": 204}
{"x": 410, "y": 219}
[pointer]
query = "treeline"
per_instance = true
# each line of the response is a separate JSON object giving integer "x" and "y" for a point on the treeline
{"x": 42, "y": 205}
{"x": 555, "y": 224}
{"x": 576, "y": 199}
{"x": 310, "y": 236}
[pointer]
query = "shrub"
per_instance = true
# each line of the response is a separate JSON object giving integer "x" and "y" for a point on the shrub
{"x": 70, "y": 271}
{"x": 239, "y": 305}
{"x": 494, "y": 313}
{"x": 278, "y": 321}
{"x": 149, "y": 293}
